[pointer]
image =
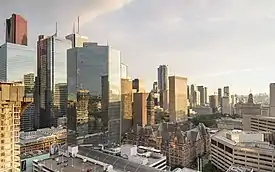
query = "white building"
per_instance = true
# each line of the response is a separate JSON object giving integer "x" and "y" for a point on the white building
{"x": 248, "y": 149}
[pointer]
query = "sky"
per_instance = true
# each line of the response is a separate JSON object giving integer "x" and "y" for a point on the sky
{"x": 211, "y": 42}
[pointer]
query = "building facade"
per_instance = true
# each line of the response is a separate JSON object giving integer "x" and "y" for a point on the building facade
{"x": 16, "y": 30}
{"x": 60, "y": 99}
{"x": 29, "y": 83}
{"x": 97, "y": 69}
{"x": 178, "y": 98}
{"x": 126, "y": 104}
{"x": 51, "y": 69}
{"x": 13, "y": 57}
{"x": 163, "y": 86}
{"x": 10, "y": 101}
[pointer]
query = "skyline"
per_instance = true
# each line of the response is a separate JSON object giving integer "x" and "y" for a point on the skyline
{"x": 200, "y": 34}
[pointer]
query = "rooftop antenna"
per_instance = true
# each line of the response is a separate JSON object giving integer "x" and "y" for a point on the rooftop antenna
{"x": 55, "y": 29}
{"x": 78, "y": 24}
{"x": 74, "y": 27}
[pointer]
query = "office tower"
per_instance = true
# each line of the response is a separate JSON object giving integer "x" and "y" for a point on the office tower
{"x": 202, "y": 94}
{"x": 140, "y": 109}
{"x": 219, "y": 96}
{"x": 60, "y": 99}
{"x": 126, "y": 104}
{"x": 272, "y": 99}
{"x": 16, "y": 30}
{"x": 205, "y": 96}
{"x": 225, "y": 105}
{"x": 16, "y": 60}
{"x": 163, "y": 86}
{"x": 11, "y": 97}
{"x": 188, "y": 92}
{"x": 150, "y": 109}
{"x": 76, "y": 39}
{"x": 138, "y": 85}
{"x": 78, "y": 116}
{"x": 124, "y": 71}
{"x": 29, "y": 83}
{"x": 213, "y": 102}
{"x": 226, "y": 91}
{"x": 97, "y": 68}
{"x": 27, "y": 118}
{"x": 177, "y": 98}
{"x": 155, "y": 87}
{"x": 51, "y": 69}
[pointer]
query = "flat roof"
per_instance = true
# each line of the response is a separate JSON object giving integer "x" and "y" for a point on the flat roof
{"x": 33, "y": 154}
{"x": 116, "y": 161}
{"x": 40, "y": 134}
{"x": 74, "y": 164}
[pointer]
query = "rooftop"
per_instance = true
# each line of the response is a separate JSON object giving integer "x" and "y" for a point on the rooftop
{"x": 184, "y": 170}
{"x": 234, "y": 168}
{"x": 40, "y": 134}
{"x": 70, "y": 164}
{"x": 241, "y": 138}
{"x": 33, "y": 154}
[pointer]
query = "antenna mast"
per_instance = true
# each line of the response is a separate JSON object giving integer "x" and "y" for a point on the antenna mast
{"x": 56, "y": 29}
{"x": 78, "y": 22}
{"x": 74, "y": 27}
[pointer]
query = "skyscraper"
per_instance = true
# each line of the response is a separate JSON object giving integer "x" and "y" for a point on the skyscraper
{"x": 205, "y": 96}
{"x": 126, "y": 104}
{"x": 202, "y": 95}
{"x": 163, "y": 86}
{"x": 16, "y": 30}
{"x": 51, "y": 69}
{"x": 60, "y": 99}
{"x": 16, "y": 60}
{"x": 226, "y": 91}
{"x": 97, "y": 69}
{"x": 272, "y": 99}
{"x": 29, "y": 83}
{"x": 140, "y": 109}
{"x": 219, "y": 96}
{"x": 76, "y": 39}
{"x": 178, "y": 98}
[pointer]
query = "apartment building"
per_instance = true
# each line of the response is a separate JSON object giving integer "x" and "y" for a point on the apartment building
{"x": 242, "y": 148}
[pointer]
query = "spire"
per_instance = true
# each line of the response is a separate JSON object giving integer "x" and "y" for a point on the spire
{"x": 78, "y": 22}
{"x": 74, "y": 27}
{"x": 55, "y": 34}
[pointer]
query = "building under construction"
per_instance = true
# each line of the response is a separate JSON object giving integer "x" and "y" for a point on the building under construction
{"x": 11, "y": 98}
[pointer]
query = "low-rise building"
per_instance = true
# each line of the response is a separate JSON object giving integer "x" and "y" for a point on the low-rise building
{"x": 237, "y": 147}
{"x": 42, "y": 139}
{"x": 230, "y": 123}
{"x": 27, "y": 158}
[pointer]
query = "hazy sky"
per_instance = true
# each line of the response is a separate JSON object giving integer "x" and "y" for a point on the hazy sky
{"x": 212, "y": 42}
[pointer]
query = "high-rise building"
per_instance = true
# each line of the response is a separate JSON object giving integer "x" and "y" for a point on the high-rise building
{"x": 205, "y": 96}
{"x": 97, "y": 69}
{"x": 150, "y": 109}
{"x": 163, "y": 86}
{"x": 60, "y": 99}
{"x": 219, "y": 96}
{"x": 225, "y": 105}
{"x": 140, "y": 109}
{"x": 272, "y": 99}
{"x": 11, "y": 97}
{"x": 126, "y": 104}
{"x": 14, "y": 57}
{"x": 213, "y": 102}
{"x": 178, "y": 98}
{"x": 16, "y": 30}
{"x": 138, "y": 85}
{"x": 76, "y": 39}
{"x": 226, "y": 91}
{"x": 29, "y": 83}
{"x": 124, "y": 71}
{"x": 27, "y": 118}
{"x": 51, "y": 69}
{"x": 202, "y": 94}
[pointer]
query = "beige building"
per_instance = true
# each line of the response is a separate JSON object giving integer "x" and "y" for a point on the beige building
{"x": 60, "y": 99}
{"x": 177, "y": 98}
{"x": 29, "y": 83}
{"x": 248, "y": 108}
{"x": 229, "y": 123}
{"x": 126, "y": 104}
{"x": 140, "y": 109}
{"x": 11, "y": 98}
{"x": 240, "y": 148}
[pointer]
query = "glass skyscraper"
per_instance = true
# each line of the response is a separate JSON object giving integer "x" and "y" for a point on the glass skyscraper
{"x": 98, "y": 69}
{"x": 51, "y": 69}
{"x": 15, "y": 61}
